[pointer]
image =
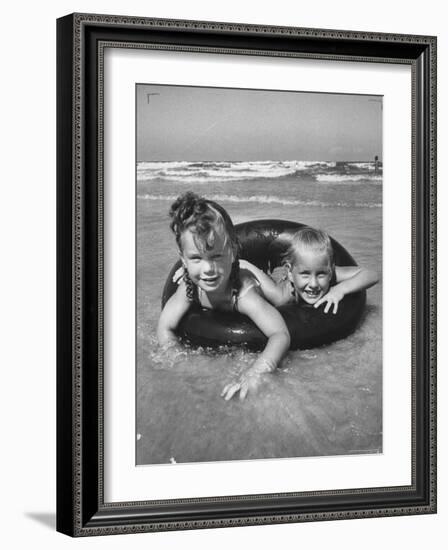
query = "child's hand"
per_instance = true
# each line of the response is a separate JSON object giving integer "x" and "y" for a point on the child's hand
{"x": 332, "y": 298}
{"x": 172, "y": 350}
{"x": 179, "y": 273}
{"x": 249, "y": 381}
{"x": 167, "y": 355}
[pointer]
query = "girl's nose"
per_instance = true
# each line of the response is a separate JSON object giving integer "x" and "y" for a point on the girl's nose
{"x": 313, "y": 282}
{"x": 209, "y": 266}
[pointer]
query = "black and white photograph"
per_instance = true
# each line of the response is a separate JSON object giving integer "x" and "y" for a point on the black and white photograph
{"x": 131, "y": 418}
{"x": 258, "y": 274}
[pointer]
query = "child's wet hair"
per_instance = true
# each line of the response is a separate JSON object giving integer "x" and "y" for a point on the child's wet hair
{"x": 306, "y": 239}
{"x": 204, "y": 218}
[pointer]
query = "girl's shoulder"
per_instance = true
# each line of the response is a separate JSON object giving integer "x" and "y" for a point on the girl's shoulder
{"x": 248, "y": 281}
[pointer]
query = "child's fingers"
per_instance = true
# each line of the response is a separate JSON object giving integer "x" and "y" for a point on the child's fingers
{"x": 232, "y": 391}
{"x": 327, "y": 307}
{"x": 224, "y": 391}
{"x": 243, "y": 391}
{"x": 178, "y": 275}
{"x": 227, "y": 388}
{"x": 335, "y": 309}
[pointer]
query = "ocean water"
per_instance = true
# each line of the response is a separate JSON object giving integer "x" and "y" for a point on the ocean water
{"x": 321, "y": 402}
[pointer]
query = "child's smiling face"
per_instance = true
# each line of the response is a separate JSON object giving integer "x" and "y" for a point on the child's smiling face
{"x": 311, "y": 275}
{"x": 208, "y": 267}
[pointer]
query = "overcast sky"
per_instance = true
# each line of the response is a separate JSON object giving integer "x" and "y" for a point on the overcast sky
{"x": 192, "y": 123}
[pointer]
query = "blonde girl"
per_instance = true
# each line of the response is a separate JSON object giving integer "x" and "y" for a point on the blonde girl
{"x": 310, "y": 275}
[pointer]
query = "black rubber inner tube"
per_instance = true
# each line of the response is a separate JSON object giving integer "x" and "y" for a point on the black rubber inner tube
{"x": 262, "y": 243}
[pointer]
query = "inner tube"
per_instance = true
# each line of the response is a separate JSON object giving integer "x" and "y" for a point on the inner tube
{"x": 263, "y": 242}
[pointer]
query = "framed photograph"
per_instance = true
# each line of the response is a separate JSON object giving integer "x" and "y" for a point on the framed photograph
{"x": 246, "y": 274}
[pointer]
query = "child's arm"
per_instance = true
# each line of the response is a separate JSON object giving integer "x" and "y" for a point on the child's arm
{"x": 272, "y": 291}
{"x": 172, "y": 313}
{"x": 349, "y": 279}
{"x": 271, "y": 323}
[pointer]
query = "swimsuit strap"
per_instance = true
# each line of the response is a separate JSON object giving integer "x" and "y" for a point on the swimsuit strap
{"x": 234, "y": 300}
{"x": 197, "y": 296}
{"x": 196, "y": 299}
{"x": 255, "y": 283}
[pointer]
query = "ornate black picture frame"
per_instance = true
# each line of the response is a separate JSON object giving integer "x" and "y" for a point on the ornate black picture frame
{"x": 81, "y": 508}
